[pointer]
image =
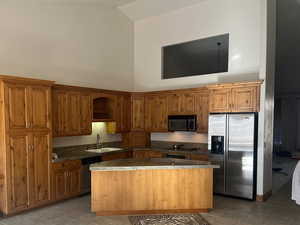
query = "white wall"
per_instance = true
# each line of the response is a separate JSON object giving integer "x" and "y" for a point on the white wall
{"x": 246, "y": 22}
{"x": 266, "y": 115}
{"x": 97, "y": 128}
{"x": 242, "y": 19}
{"x": 85, "y": 44}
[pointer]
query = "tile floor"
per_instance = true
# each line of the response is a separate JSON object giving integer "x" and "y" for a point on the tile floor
{"x": 279, "y": 210}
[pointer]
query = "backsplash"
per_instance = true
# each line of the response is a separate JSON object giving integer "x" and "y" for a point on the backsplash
{"x": 188, "y": 137}
{"x": 97, "y": 128}
{"x": 185, "y": 145}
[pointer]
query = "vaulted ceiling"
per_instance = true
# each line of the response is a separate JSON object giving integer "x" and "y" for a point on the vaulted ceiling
{"x": 141, "y": 9}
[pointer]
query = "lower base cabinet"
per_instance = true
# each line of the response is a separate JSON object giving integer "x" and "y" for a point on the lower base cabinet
{"x": 66, "y": 179}
{"x": 117, "y": 155}
{"x": 141, "y": 154}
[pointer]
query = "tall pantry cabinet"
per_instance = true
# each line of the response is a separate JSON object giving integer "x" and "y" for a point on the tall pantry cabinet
{"x": 25, "y": 143}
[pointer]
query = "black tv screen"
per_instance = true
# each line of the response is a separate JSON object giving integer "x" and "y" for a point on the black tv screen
{"x": 199, "y": 57}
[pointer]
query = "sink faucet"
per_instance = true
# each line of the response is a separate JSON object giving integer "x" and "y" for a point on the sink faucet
{"x": 98, "y": 143}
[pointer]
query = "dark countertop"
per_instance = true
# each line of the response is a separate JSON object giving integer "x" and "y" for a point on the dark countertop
{"x": 181, "y": 151}
{"x": 150, "y": 164}
{"x": 81, "y": 153}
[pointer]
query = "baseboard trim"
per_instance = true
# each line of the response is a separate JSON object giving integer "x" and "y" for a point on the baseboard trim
{"x": 264, "y": 197}
{"x": 137, "y": 212}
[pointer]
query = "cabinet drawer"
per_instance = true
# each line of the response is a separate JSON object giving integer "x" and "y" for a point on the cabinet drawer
{"x": 199, "y": 157}
{"x": 117, "y": 155}
{"x": 66, "y": 164}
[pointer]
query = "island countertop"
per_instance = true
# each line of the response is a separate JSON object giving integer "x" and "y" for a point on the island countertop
{"x": 150, "y": 164}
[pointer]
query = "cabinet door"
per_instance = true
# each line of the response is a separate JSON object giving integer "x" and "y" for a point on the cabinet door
{"x": 40, "y": 107}
{"x": 156, "y": 113}
{"x": 199, "y": 157}
{"x": 202, "y": 112}
{"x": 85, "y": 114}
{"x": 161, "y": 117}
{"x": 150, "y": 113}
{"x": 17, "y": 106}
{"x": 113, "y": 156}
{"x": 18, "y": 168}
{"x": 220, "y": 100}
{"x": 138, "y": 113}
{"x": 74, "y": 113}
{"x": 244, "y": 99}
{"x": 126, "y": 112}
{"x": 140, "y": 154}
{"x": 40, "y": 168}
{"x": 155, "y": 154}
{"x": 174, "y": 104}
{"x": 74, "y": 181}
{"x": 59, "y": 181}
{"x": 60, "y": 113}
{"x": 187, "y": 103}
{"x": 122, "y": 113}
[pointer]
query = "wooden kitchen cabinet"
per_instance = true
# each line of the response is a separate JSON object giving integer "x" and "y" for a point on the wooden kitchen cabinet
{"x": 116, "y": 155}
{"x": 200, "y": 157}
{"x": 220, "y": 101}
{"x": 66, "y": 179}
{"x": 39, "y": 174}
{"x": 201, "y": 108}
{"x": 138, "y": 112}
{"x": 136, "y": 139}
{"x": 28, "y": 106}
{"x": 142, "y": 154}
{"x": 174, "y": 104}
{"x": 29, "y": 159}
{"x": 123, "y": 113}
{"x": 187, "y": 103}
{"x": 26, "y": 143}
{"x": 245, "y": 99}
{"x": 234, "y": 97}
{"x": 156, "y": 114}
{"x": 85, "y": 114}
{"x": 72, "y": 112}
{"x": 181, "y": 103}
{"x": 74, "y": 118}
{"x": 19, "y": 145}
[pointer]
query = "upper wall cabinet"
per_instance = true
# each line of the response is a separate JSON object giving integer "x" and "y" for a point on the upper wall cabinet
{"x": 181, "y": 103}
{"x": 72, "y": 113}
{"x": 235, "y": 97}
{"x": 103, "y": 107}
{"x": 156, "y": 113}
{"x": 138, "y": 112}
{"x": 28, "y": 106}
{"x": 123, "y": 113}
{"x": 201, "y": 107}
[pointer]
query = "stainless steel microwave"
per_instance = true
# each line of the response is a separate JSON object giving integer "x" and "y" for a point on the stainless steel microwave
{"x": 182, "y": 123}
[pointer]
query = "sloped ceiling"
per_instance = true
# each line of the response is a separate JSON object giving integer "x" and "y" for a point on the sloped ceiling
{"x": 141, "y": 9}
{"x": 113, "y": 3}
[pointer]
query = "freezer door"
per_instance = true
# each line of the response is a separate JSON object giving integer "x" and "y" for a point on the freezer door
{"x": 240, "y": 155}
{"x": 217, "y": 128}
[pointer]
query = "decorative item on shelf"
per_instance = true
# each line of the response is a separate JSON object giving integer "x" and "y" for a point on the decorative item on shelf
{"x": 111, "y": 127}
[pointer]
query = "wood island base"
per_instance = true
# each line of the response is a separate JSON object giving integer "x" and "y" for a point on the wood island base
{"x": 157, "y": 191}
{"x": 143, "y": 212}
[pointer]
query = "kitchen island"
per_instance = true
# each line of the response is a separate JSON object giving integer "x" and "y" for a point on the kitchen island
{"x": 148, "y": 186}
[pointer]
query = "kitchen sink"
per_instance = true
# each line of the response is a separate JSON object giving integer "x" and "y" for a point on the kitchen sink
{"x": 103, "y": 150}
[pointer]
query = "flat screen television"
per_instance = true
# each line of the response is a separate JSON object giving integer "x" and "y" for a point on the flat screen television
{"x": 198, "y": 57}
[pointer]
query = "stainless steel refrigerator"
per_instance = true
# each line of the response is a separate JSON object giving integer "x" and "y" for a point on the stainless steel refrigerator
{"x": 232, "y": 143}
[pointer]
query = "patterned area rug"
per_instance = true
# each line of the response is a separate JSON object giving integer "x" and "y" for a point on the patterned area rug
{"x": 179, "y": 219}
